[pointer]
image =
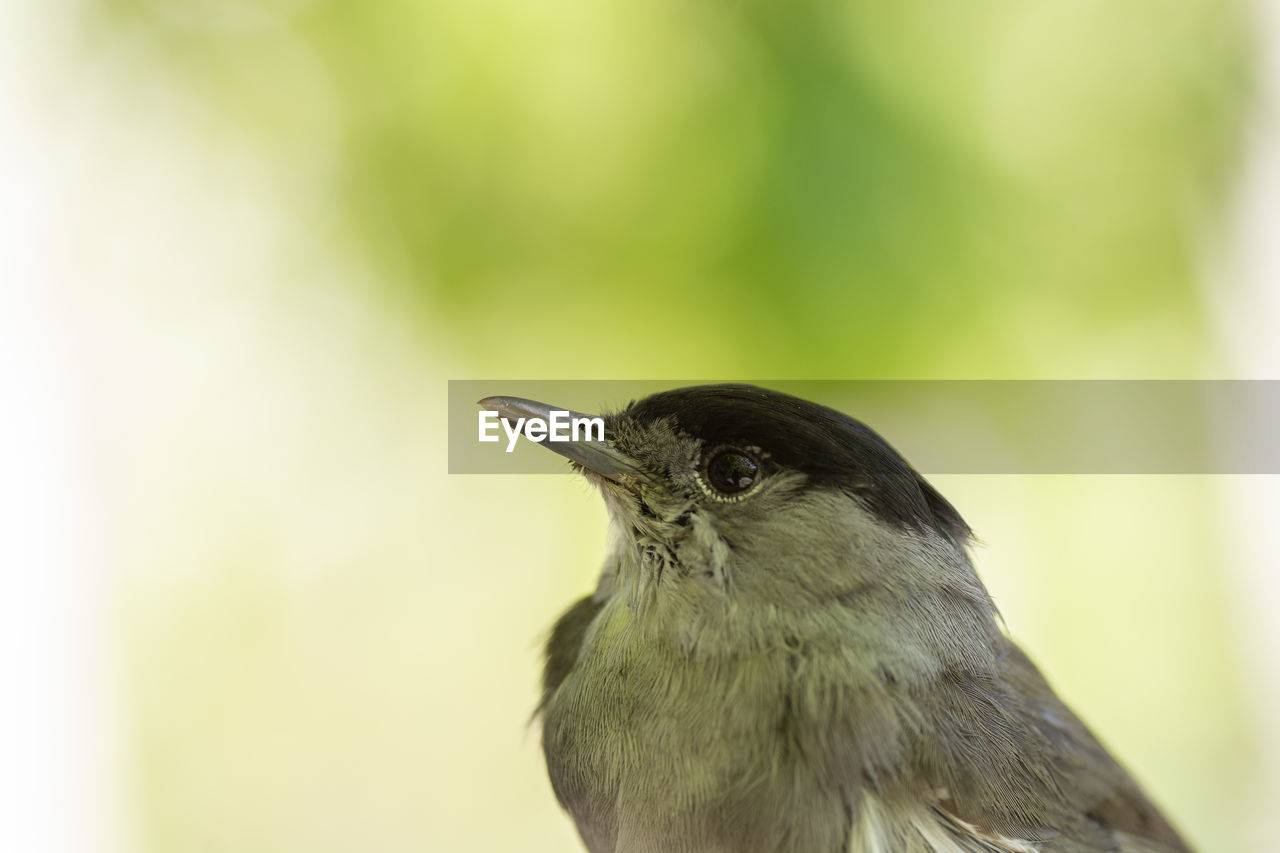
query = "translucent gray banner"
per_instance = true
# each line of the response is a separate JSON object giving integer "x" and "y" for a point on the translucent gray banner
{"x": 958, "y": 427}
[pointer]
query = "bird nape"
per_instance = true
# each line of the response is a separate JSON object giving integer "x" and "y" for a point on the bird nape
{"x": 789, "y": 651}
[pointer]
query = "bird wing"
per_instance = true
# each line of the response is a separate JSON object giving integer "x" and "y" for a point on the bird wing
{"x": 565, "y": 642}
{"x": 1091, "y": 803}
{"x": 922, "y": 828}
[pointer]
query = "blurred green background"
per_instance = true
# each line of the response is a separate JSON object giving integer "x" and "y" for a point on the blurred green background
{"x": 292, "y": 221}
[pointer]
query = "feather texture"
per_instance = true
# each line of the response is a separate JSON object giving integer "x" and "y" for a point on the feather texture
{"x": 810, "y": 665}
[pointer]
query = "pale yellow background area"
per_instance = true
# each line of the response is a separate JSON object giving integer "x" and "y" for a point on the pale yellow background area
{"x": 246, "y": 609}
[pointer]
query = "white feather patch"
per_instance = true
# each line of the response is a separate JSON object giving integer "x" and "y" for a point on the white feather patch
{"x": 923, "y": 828}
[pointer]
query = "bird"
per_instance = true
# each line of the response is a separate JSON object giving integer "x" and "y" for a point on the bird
{"x": 789, "y": 650}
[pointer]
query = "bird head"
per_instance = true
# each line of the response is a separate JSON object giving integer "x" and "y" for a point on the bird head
{"x": 734, "y": 499}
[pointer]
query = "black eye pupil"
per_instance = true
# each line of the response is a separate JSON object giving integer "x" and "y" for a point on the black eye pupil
{"x": 732, "y": 471}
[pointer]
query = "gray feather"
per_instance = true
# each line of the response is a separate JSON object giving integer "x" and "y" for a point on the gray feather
{"x": 811, "y": 666}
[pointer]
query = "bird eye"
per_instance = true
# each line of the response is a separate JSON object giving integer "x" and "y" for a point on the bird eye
{"x": 731, "y": 471}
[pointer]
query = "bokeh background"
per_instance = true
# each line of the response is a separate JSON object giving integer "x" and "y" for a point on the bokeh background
{"x": 245, "y": 244}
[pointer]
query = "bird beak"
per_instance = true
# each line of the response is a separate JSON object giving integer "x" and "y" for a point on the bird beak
{"x": 600, "y": 457}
